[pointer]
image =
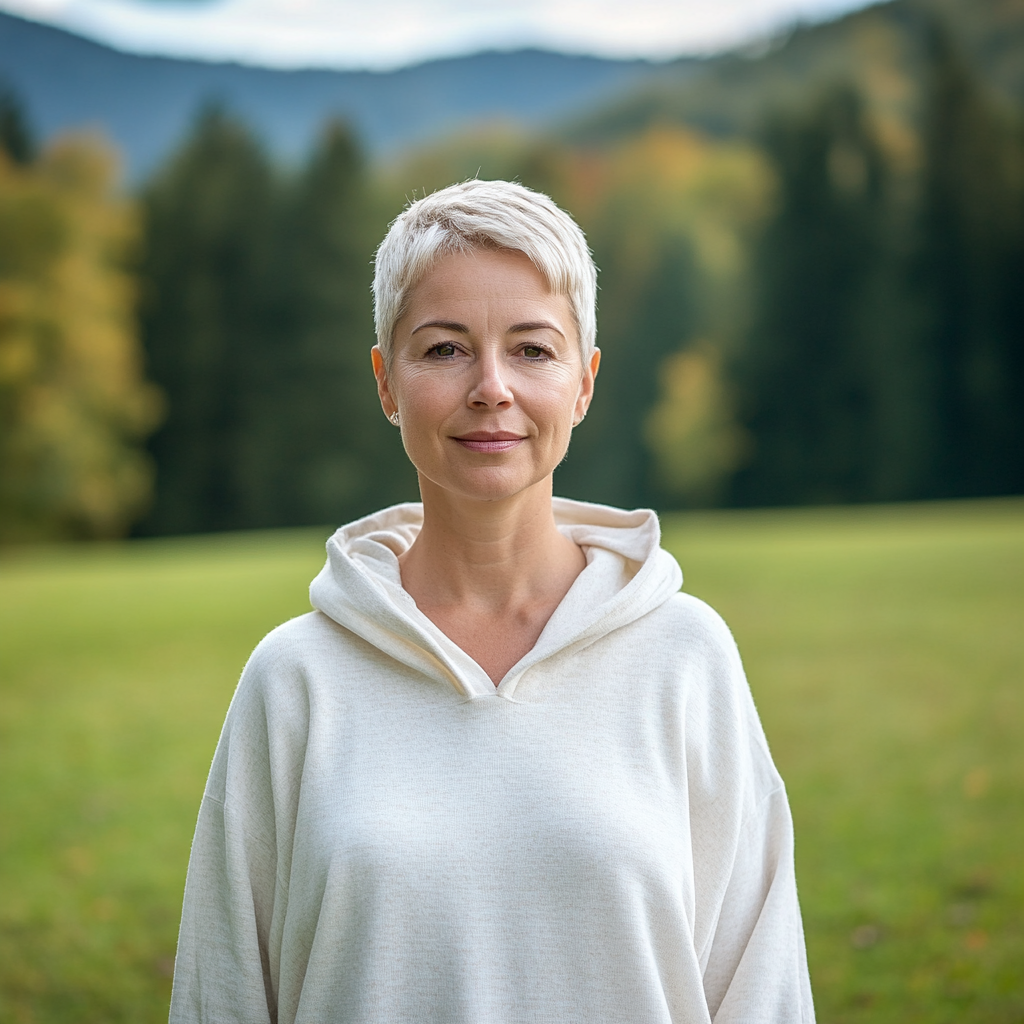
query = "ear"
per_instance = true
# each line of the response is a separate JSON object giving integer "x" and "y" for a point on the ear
{"x": 586, "y": 392}
{"x": 387, "y": 401}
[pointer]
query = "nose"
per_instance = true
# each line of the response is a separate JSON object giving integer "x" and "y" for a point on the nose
{"x": 490, "y": 389}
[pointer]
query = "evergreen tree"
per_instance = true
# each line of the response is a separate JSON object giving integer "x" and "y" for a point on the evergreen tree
{"x": 968, "y": 275}
{"x": 807, "y": 372}
{"x": 210, "y": 217}
{"x": 258, "y": 324}
{"x": 335, "y": 453}
{"x": 16, "y": 139}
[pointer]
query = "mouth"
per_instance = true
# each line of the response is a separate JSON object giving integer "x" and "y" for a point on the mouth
{"x": 488, "y": 441}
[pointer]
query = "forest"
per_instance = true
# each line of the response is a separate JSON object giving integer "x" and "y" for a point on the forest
{"x": 819, "y": 302}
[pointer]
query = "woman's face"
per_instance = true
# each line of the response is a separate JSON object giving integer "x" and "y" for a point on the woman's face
{"x": 486, "y": 375}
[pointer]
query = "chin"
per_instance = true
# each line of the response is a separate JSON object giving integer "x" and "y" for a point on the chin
{"x": 500, "y": 491}
{"x": 486, "y": 486}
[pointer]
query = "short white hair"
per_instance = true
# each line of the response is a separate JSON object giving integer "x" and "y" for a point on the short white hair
{"x": 484, "y": 215}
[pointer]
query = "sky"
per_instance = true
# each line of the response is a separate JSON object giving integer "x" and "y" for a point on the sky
{"x": 385, "y": 34}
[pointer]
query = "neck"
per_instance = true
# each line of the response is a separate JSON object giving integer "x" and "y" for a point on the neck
{"x": 489, "y": 554}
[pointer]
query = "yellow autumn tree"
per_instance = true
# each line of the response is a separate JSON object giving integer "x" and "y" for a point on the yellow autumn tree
{"x": 692, "y": 432}
{"x": 74, "y": 405}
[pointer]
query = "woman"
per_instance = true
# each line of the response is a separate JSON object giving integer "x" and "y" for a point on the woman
{"x": 505, "y": 772}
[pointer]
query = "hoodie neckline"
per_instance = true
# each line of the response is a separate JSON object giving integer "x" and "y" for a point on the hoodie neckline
{"x": 627, "y": 574}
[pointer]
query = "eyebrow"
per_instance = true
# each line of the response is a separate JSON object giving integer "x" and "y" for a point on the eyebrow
{"x": 448, "y": 325}
{"x": 534, "y": 325}
{"x": 457, "y": 328}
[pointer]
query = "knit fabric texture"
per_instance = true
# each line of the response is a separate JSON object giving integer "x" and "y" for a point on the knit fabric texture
{"x": 388, "y": 838}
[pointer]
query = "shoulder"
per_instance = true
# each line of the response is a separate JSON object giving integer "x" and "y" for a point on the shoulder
{"x": 266, "y": 728}
{"x": 299, "y": 641}
{"x": 722, "y": 722}
{"x": 287, "y": 669}
{"x": 689, "y": 627}
{"x": 703, "y": 648}
{"x": 698, "y": 616}
{"x": 683, "y": 640}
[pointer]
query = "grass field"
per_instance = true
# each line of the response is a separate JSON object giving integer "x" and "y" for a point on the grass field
{"x": 885, "y": 649}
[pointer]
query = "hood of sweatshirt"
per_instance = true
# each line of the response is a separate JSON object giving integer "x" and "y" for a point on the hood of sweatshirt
{"x": 627, "y": 575}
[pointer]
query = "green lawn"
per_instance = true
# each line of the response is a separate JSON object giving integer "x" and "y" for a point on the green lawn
{"x": 885, "y": 648}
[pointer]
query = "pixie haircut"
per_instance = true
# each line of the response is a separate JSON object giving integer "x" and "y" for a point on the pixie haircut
{"x": 484, "y": 215}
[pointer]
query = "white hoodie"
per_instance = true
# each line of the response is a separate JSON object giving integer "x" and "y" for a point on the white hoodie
{"x": 386, "y": 837}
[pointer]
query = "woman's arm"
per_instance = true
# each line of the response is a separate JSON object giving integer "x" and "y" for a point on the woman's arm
{"x": 227, "y": 966}
{"x": 757, "y": 967}
{"x": 222, "y": 970}
{"x": 748, "y": 925}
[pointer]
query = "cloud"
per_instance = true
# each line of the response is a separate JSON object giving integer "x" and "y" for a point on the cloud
{"x": 390, "y": 33}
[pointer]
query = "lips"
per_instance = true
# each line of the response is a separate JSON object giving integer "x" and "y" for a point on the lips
{"x": 486, "y": 441}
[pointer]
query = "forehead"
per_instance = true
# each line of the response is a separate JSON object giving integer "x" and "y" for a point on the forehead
{"x": 481, "y": 272}
{"x": 485, "y": 290}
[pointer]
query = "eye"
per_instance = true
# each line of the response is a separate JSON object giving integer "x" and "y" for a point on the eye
{"x": 443, "y": 350}
{"x": 534, "y": 352}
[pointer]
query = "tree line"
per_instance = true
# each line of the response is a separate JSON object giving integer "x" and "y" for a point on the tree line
{"x": 256, "y": 322}
{"x": 812, "y": 314}
{"x": 886, "y": 357}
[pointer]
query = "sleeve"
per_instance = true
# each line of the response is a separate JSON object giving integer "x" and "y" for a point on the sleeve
{"x": 222, "y": 969}
{"x": 748, "y": 924}
{"x": 757, "y": 967}
{"x": 227, "y": 963}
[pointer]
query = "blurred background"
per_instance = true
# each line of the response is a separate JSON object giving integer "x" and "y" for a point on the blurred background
{"x": 811, "y": 254}
{"x": 809, "y": 222}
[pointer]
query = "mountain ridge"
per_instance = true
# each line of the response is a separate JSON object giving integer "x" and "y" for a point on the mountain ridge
{"x": 880, "y": 49}
{"x": 147, "y": 103}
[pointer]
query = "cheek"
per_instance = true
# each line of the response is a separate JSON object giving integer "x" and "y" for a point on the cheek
{"x": 558, "y": 398}
{"x": 424, "y": 396}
